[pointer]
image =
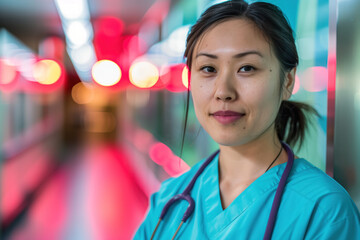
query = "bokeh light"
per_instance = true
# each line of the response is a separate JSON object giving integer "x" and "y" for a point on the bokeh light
{"x": 110, "y": 26}
{"x": 172, "y": 164}
{"x": 175, "y": 44}
{"x": 185, "y": 77}
{"x": 83, "y": 55}
{"x": 71, "y": 9}
{"x": 106, "y": 73}
{"x": 160, "y": 153}
{"x": 314, "y": 79}
{"x": 108, "y": 39}
{"x": 82, "y": 93}
{"x": 143, "y": 74}
{"x": 78, "y": 32}
{"x": 47, "y": 71}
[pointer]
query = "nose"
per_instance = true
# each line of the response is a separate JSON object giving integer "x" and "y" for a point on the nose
{"x": 225, "y": 89}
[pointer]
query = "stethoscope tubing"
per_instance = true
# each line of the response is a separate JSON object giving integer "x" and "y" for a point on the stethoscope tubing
{"x": 279, "y": 192}
{"x": 185, "y": 195}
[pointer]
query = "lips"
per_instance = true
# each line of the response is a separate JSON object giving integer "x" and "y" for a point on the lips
{"x": 227, "y": 117}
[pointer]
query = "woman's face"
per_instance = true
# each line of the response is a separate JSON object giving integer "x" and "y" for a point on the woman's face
{"x": 235, "y": 83}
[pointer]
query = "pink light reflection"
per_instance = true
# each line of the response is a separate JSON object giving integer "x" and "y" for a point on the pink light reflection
{"x": 314, "y": 79}
{"x": 115, "y": 204}
{"x": 158, "y": 11}
{"x": 47, "y": 217}
{"x": 49, "y": 213}
{"x": 142, "y": 139}
{"x": 172, "y": 164}
{"x": 20, "y": 176}
{"x": 97, "y": 195}
{"x": 160, "y": 153}
{"x": 9, "y": 75}
{"x": 332, "y": 72}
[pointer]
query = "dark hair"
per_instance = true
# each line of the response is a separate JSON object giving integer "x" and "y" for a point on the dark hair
{"x": 291, "y": 120}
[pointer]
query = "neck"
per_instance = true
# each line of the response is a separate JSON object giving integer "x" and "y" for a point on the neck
{"x": 249, "y": 161}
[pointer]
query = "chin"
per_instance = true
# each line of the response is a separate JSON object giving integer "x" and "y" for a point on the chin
{"x": 229, "y": 142}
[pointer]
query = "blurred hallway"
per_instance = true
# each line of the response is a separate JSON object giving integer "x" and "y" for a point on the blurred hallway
{"x": 92, "y": 103}
{"x": 94, "y": 195}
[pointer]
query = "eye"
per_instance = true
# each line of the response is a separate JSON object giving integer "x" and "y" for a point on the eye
{"x": 208, "y": 69}
{"x": 247, "y": 68}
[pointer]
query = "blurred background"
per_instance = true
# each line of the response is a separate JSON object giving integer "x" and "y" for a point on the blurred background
{"x": 92, "y": 105}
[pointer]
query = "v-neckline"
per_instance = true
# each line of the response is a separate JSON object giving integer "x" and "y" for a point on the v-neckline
{"x": 217, "y": 217}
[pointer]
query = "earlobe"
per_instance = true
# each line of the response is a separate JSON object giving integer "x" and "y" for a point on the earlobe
{"x": 289, "y": 83}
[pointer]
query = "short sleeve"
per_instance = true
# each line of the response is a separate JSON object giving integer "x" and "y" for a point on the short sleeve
{"x": 338, "y": 219}
{"x": 345, "y": 229}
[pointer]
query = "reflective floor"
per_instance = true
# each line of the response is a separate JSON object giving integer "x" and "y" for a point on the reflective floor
{"x": 94, "y": 195}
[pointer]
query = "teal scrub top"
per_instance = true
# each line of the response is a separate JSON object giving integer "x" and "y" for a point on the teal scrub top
{"x": 313, "y": 206}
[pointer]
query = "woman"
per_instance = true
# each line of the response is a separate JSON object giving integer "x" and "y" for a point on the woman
{"x": 242, "y": 58}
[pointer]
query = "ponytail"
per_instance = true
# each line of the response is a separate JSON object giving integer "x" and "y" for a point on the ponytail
{"x": 292, "y": 121}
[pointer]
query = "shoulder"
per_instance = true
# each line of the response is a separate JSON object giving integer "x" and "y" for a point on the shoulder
{"x": 311, "y": 181}
{"x": 168, "y": 189}
{"x": 177, "y": 184}
{"x": 320, "y": 204}
{"x": 321, "y": 191}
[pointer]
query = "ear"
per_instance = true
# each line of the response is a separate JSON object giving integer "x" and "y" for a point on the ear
{"x": 289, "y": 84}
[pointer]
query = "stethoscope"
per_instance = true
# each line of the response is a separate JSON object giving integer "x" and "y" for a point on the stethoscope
{"x": 185, "y": 195}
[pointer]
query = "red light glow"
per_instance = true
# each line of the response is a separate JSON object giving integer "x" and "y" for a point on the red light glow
{"x": 110, "y": 26}
{"x": 175, "y": 78}
{"x": 332, "y": 72}
{"x": 108, "y": 37}
{"x": 163, "y": 78}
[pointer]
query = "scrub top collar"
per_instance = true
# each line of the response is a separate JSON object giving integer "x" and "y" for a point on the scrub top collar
{"x": 218, "y": 218}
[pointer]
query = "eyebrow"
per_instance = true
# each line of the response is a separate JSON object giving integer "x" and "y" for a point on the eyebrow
{"x": 239, "y": 55}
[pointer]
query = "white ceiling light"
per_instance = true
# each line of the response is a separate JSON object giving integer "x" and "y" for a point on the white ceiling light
{"x": 73, "y": 9}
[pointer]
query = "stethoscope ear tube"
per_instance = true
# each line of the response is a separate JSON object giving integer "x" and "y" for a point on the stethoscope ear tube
{"x": 279, "y": 192}
{"x": 185, "y": 195}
